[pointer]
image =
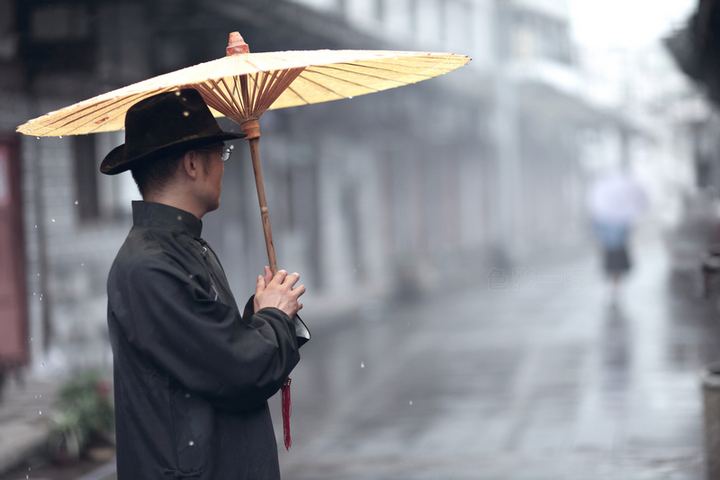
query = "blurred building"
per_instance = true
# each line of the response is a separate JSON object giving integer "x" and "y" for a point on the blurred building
{"x": 370, "y": 195}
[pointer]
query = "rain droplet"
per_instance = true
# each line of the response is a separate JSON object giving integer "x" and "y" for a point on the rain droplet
{"x": 37, "y": 138}
{"x": 179, "y": 217}
{"x": 34, "y": 293}
{"x": 177, "y": 93}
{"x": 60, "y": 137}
{"x": 362, "y": 364}
{"x": 191, "y": 443}
{"x": 82, "y": 264}
{"x": 76, "y": 202}
{"x": 410, "y": 402}
{"x": 186, "y": 113}
{"x": 350, "y": 98}
{"x": 35, "y": 226}
{"x": 31, "y": 339}
{"x": 42, "y": 364}
{"x": 39, "y": 412}
{"x": 52, "y": 220}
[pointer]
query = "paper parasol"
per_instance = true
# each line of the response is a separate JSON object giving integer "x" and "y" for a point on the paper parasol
{"x": 243, "y": 85}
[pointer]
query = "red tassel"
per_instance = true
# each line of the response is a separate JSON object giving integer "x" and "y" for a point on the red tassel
{"x": 286, "y": 411}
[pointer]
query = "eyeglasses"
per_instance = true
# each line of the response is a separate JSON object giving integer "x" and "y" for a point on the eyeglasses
{"x": 227, "y": 153}
{"x": 224, "y": 155}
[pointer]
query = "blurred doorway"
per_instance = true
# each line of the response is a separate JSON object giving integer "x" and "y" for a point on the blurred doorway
{"x": 13, "y": 308}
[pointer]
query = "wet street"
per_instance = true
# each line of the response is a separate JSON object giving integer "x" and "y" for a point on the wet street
{"x": 529, "y": 376}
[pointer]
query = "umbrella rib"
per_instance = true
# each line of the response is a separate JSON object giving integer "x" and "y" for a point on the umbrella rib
{"x": 243, "y": 91}
{"x": 263, "y": 83}
{"x": 232, "y": 100}
{"x": 286, "y": 78}
{"x": 358, "y": 73}
{"x": 221, "y": 101}
{"x": 267, "y": 86}
{"x": 122, "y": 102}
{"x": 254, "y": 96}
{"x": 324, "y": 87}
{"x": 244, "y": 110}
{"x": 297, "y": 94}
{"x": 137, "y": 98}
{"x": 255, "y": 91}
{"x": 52, "y": 123}
{"x": 110, "y": 117}
{"x": 401, "y": 72}
{"x": 413, "y": 60}
{"x": 275, "y": 83}
{"x": 342, "y": 80}
{"x": 213, "y": 96}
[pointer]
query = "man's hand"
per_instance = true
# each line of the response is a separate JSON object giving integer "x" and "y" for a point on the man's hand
{"x": 277, "y": 291}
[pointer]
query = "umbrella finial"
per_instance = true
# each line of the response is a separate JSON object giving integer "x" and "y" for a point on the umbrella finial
{"x": 236, "y": 45}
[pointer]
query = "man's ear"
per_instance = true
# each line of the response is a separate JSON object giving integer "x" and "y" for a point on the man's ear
{"x": 191, "y": 163}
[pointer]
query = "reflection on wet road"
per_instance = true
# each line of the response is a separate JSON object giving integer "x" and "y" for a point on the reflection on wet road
{"x": 535, "y": 377}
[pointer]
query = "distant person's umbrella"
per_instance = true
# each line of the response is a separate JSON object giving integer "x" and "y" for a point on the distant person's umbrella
{"x": 243, "y": 85}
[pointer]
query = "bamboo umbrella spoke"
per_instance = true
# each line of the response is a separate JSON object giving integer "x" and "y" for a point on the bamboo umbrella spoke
{"x": 372, "y": 73}
{"x": 106, "y": 114}
{"x": 362, "y": 80}
{"x": 294, "y": 92}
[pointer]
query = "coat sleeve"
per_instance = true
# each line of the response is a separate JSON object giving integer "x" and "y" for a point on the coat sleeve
{"x": 302, "y": 333}
{"x": 204, "y": 344}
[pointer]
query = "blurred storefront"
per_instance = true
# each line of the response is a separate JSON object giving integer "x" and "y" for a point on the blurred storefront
{"x": 409, "y": 185}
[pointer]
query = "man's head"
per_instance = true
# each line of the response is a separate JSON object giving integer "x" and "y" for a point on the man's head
{"x": 174, "y": 148}
{"x": 196, "y": 173}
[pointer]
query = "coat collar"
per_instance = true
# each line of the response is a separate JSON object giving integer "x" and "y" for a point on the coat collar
{"x": 159, "y": 215}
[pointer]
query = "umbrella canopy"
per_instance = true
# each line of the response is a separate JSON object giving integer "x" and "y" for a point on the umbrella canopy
{"x": 272, "y": 80}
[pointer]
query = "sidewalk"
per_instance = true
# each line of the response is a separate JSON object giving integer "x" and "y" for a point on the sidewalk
{"x": 24, "y": 423}
{"x": 536, "y": 378}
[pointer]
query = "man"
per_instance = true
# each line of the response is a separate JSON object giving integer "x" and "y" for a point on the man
{"x": 192, "y": 376}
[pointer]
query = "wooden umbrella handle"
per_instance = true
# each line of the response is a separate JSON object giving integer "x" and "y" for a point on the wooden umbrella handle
{"x": 251, "y": 127}
{"x": 262, "y": 200}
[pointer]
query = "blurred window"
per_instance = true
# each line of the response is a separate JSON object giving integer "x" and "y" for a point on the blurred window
{"x": 429, "y": 27}
{"x": 378, "y": 12}
{"x": 538, "y": 35}
{"x": 459, "y": 27}
{"x": 60, "y": 37}
{"x": 86, "y": 185}
{"x": 60, "y": 22}
{"x": 100, "y": 198}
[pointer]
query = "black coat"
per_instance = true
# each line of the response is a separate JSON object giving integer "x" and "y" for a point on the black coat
{"x": 191, "y": 375}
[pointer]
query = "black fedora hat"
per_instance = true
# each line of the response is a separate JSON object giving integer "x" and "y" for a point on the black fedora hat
{"x": 163, "y": 123}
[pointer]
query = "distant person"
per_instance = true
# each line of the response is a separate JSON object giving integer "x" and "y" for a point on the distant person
{"x": 615, "y": 202}
{"x": 192, "y": 372}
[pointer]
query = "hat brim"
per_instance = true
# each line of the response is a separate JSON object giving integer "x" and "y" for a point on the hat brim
{"x": 117, "y": 161}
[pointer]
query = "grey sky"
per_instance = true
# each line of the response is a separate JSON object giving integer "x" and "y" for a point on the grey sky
{"x": 626, "y": 24}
